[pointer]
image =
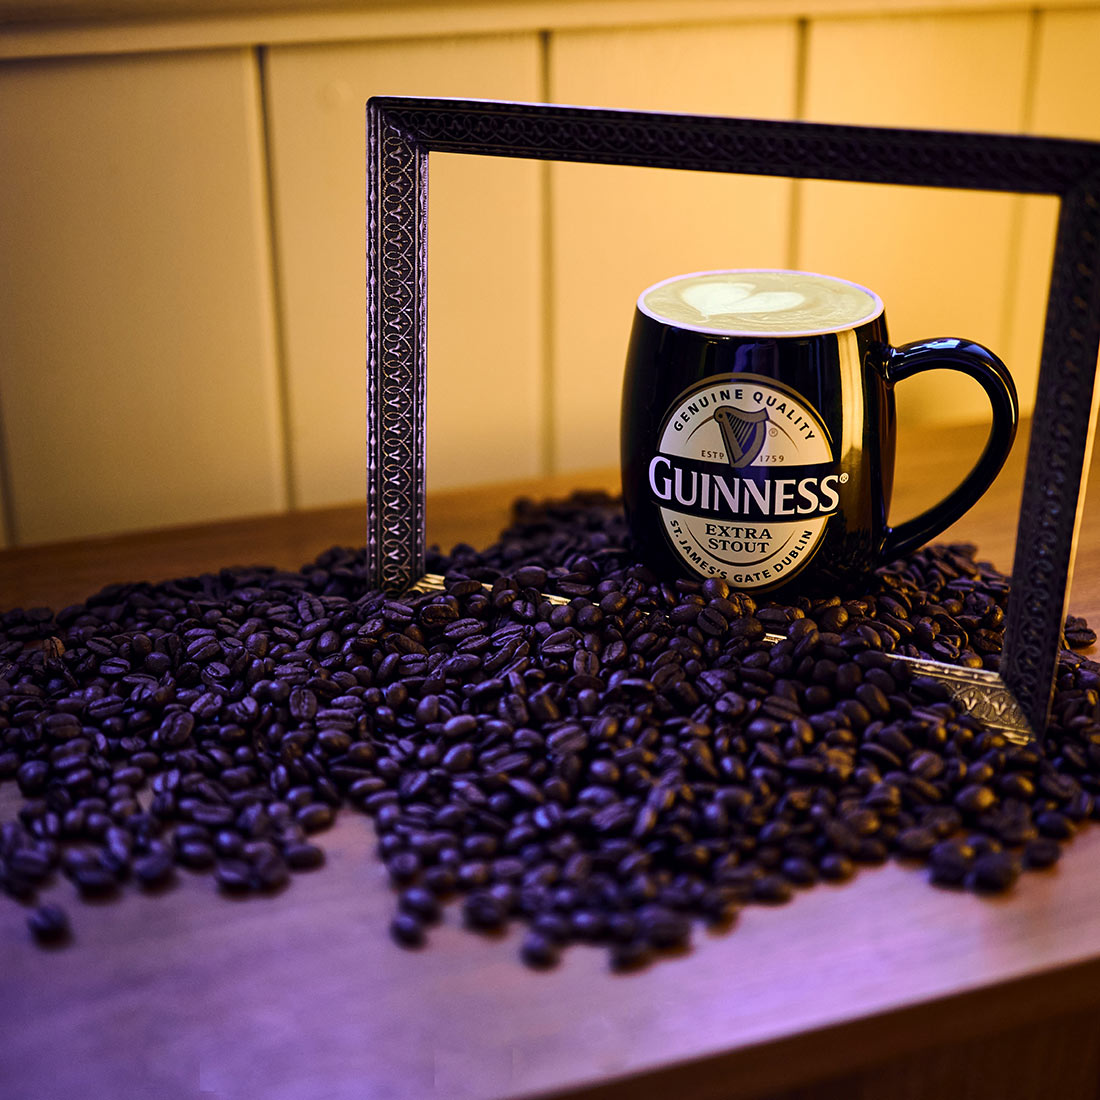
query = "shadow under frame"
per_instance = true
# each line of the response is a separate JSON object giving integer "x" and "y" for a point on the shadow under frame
{"x": 403, "y": 131}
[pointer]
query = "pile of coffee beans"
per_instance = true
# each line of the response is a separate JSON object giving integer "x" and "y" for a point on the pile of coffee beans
{"x": 606, "y": 768}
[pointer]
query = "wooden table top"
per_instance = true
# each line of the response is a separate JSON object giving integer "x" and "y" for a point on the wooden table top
{"x": 303, "y": 996}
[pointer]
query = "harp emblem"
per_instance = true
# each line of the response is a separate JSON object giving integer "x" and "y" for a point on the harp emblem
{"x": 743, "y": 433}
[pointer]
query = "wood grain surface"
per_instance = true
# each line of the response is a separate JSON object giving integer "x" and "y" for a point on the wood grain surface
{"x": 884, "y": 986}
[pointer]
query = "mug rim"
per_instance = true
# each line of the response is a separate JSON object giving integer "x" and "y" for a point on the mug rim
{"x": 876, "y": 311}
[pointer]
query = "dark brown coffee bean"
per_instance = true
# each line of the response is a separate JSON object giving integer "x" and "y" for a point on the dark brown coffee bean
{"x": 472, "y": 875}
{"x": 440, "y": 880}
{"x": 874, "y": 699}
{"x": 631, "y": 955}
{"x": 403, "y": 867}
{"x": 975, "y": 799}
{"x": 175, "y": 730}
{"x": 916, "y": 841}
{"x": 1051, "y": 823}
{"x": 421, "y": 903}
{"x": 29, "y": 863}
{"x": 994, "y": 873}
{"x": 799, "y": 870}
{"x": 539, "y": 951}
{"x": 567, "y": 739}
{"x": 772, "y": 890}
{"x": 32, "y": 777}
{"x": 460, "y": 726}
{"x": 270, "y": 872}
{"x": 196, "y": 855}
{"x": 640, "y": 747}
{"x": 484, "y": 912}
{"x": 950, "y": 861}
{"x": 407, "y": 930}
{"x": 213, "y": 817}
{"x": 49, "y": 924}
{"x": 663, "y": 927}
{"x": 314, "y": 817}
{"x": 836, "y": 867}
{"x": 96, "y": 881}
{"x": 1042, "y": 852}
{"x": 303, "y": 856}
{"x": 234, "y": 876}
{"x": 154, "y": 871}
{"x": 1078, "y": 633}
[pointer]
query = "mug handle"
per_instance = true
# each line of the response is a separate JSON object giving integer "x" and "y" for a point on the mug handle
{"x": 986, "y": 369}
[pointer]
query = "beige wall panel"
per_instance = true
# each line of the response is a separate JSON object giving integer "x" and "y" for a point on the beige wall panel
{"x": 136, "y": 355}
{"x": 940, "y": 259}
{"x": 484, "y": 312}
{"x": 1066, "y": 93}
{"x": 1028, "y": 292}
{"x": 617, "y": 230}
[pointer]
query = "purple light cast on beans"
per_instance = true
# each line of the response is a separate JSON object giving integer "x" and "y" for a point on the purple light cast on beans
{"x": 606, "y": 771}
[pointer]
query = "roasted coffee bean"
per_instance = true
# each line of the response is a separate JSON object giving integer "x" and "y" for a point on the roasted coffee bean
{"x": 663, "y": 927}
{"x": 461, "y": 725}
{"x": 772, "y": 890}
{"x": 950, "y": 862}
{"x": 994, "y": 873}
{"x": 49, "y": 924}
{"x": 303, "y": 856}
{"x": 96, "y": 881}
{"x": 567, "y": 739}
{"x": 421, "y": 903}
{"x": 441, "y": 880}
{"x": 29, "y": 863}
{"x": 270, "y": 872}
{"x": 407, "y": 930}
{"x": 1054, "y": 824}
{"x": 836, "y": 867}
{"x": 403, "y": 867}
{"x": 539, "y": 951}
{"x": 472, "y": 875}
{"x": 314, "y": 817}
{"x": 916, "y": 841}
{"x": 630, "y": 955}
{"x": 605, "y": 770}
{"x": 1042, "y": 852}
{"x": 975, "y": 799}
{"x": 1078, "y": 633}
{"x": 32, "y": 777}
{"x": 175, "y": 730}
{"x": 484, "y": 912}
{"x": 234, "y": 876}
{"x": 196, "y": 855}
{"x": 153, "y": 871}
{"x": 799, "y": 871}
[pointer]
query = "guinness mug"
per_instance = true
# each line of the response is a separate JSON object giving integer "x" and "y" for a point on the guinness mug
{"x": 758, "y": 429}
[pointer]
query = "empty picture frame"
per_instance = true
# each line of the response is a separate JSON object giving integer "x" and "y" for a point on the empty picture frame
{"x": 402, "y": 132}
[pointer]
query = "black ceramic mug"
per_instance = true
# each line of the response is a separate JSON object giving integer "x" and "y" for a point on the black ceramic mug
{"x": 758, "y": 429}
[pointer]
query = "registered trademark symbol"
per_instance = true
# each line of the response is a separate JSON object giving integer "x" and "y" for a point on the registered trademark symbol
{"x": 773, "y": 431}
{"x": 843, "y": 479}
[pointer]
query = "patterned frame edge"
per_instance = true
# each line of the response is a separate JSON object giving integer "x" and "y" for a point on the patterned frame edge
{"x": 402, "y": 131}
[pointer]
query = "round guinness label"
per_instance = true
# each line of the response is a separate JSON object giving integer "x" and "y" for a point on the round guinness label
{"x": 744, "y": 479}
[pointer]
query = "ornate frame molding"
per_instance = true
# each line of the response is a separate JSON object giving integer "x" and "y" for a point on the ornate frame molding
{"x": 401, "y": 132}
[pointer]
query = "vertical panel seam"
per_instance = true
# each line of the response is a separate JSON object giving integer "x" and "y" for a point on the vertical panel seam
{"x": 275, "y": 287}
{"x": 801, "y": 64}
{"x": 547, "y": 425}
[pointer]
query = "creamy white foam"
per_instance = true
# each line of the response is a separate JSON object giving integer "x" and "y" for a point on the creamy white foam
{"x": 760, "y": 302}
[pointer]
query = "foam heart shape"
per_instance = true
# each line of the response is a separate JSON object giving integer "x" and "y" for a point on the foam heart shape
{"x": 713, "y": 299}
